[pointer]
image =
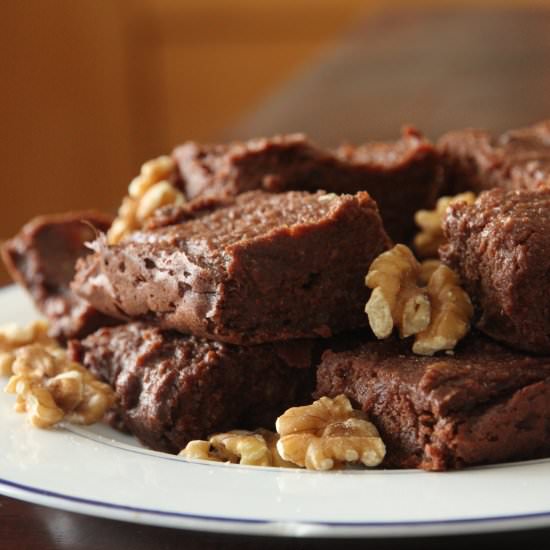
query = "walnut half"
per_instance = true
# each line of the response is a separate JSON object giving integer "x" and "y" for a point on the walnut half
{"x": 327, "y": 434}
{"x": 424, "y": 300}
{"x": 396, "y": 299}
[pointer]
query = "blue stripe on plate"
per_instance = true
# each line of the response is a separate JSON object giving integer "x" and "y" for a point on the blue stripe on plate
{"x": 164, "y": 513}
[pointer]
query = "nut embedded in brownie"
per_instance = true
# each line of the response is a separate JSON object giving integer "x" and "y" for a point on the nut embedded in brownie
{"x": 500, "y": 247}
{"x": 269, "y": 267}
{"x": 482, "y": 405}
{"x": 41, "y": 258}
{"x": 173, "y": 388}
{"x": 402, "y": 176}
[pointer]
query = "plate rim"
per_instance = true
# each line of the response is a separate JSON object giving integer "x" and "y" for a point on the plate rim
{"x": 228, "y": 524}
{"x": 260, "y": 526}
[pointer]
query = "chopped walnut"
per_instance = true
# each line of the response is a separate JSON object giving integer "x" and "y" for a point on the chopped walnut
{"x": 6, "y": 360}
{"x": 201, "y": 450}
{"x": 257, "y": 448}
{"x": 67, "y": 389}
{"x": 35, "y": 400}
{"x": 50, "y": 387}
{"x": 13, "y": 336}
{"x": 97, "y": 399}
{"x": 161, "y": 194}
{"x": 327, "y": 434}
{"x": 147, "y": 192}
{"x": 396, "y": 299}
{"x": 236, "y": 446}
{"x": 242, "y": 447}
{"x": 430, "y": 237}
{"x": 152, "y": 171}
{"x": 451, "y": 313}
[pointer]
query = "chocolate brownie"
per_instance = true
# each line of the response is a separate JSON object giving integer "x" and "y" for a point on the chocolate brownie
{"x": 402, "y": 177}
{"x": 42, "y": 257}
{"x": 482, "y": 405}
{"x": 269, "y": 267}
{"x": 191, "y": 210}
{"x": 173, "y": 388}
{"x": 500, "y": 247}
{"x": 475, "y": 160}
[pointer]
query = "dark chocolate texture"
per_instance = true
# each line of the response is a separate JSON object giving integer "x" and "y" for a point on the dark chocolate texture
{"x": 500, "y": 247}
{"x": 173, "y": 388}
{"x": 402, "y": 177}
{"x": 42, "y": 257}
{"x": 269, "y": 267}
{"x": 484, "y": 404}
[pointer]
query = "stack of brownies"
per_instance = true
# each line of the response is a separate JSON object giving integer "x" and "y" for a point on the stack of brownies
{"x": 248, "y": 296}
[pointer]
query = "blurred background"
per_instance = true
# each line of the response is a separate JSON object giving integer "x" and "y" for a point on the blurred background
{"x": 91, "y": 89}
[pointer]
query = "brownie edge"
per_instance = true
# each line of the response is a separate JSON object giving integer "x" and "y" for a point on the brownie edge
{"x": 475, "y": 160}
{"x": 402, "y": 176}
{"x": 500, "y": 247}
{"x": 172, "y": 388}
{"x": 269, "y": 267}
{"x": 41, "y": 258}
{"x": 483, "y": 405}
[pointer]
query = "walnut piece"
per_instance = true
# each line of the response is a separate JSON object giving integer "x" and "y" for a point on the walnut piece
{"x": 271, "y": 439}
{"x": 327, "y": 434}
{"x": 430, "y": 237}
{"x": 320, "y": 436}
{"x": 199, "y": 449}
{"x": 35, "y": 400}
{"x": 396, "y": 299}
{"x": 50, "y": 387}
{"x": 242, "y": 447}
{"x": 257, "y": 448}
{"x": 13, "y": 336}
{"x": 451, "y": 313}
{"x": 67, "y": 389}
{"x": 424, "y": 300}
{"x": 427, "y": 268}
{"x": 147, "y": 192}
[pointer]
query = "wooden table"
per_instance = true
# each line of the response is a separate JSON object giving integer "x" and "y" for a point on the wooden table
{"x": 438, "y": 70}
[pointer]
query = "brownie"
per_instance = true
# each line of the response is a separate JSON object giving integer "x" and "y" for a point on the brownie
{"x": 402, "y": 177}
{"x": 41, "y": 258}
{"x": 475, "y": 160}
{"x": 191, "y": 210}
{"x": 172, "y": 388}
{"x": 269, "y": 267}
{"x": 484, "y": 404}
{"x": 500, "y": 247}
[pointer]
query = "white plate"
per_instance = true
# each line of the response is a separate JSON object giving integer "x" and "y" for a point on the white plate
{"x": 100, "y": 472}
